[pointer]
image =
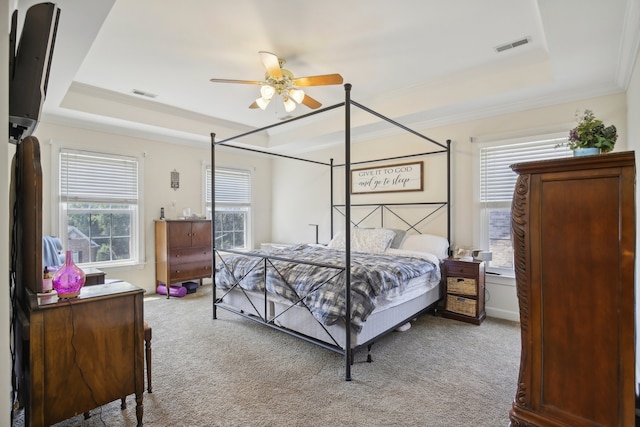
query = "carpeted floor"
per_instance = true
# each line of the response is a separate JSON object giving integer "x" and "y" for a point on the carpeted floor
{"x": 233, "y": 372}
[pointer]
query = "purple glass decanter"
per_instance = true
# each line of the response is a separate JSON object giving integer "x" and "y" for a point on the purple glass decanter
{"x": 68, "y": 279}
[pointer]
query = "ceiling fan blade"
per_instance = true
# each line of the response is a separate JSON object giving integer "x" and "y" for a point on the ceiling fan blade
{"x": 310, "y": 102}
{"x": 325, "y": 79}
{"x": 247, "y": 82}
{"x": 272, "y": 64}
{"x": 254, "y": 105}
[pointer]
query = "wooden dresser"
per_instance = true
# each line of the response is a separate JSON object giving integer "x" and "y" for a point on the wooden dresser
{"x": 183, "y": 251}
{"x": 77, "y": 354}
{"x": 573, "y": 224}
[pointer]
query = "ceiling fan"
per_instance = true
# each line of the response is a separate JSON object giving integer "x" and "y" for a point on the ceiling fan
{"x": 280, "y": 81}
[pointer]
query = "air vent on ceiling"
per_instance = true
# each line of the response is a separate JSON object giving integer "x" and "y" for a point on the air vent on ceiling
{"x": 511, "y": 45}
{"x": 143, "y": 93}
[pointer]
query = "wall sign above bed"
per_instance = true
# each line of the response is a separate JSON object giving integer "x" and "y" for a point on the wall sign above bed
{"x": 388, "y": 178}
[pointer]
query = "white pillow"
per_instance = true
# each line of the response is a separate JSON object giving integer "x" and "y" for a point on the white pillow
{"x": 371, "y": 240}
{"x": 439, "y": 246}
{"x": 337, "y": 242}
{"x": 397, "y": 241}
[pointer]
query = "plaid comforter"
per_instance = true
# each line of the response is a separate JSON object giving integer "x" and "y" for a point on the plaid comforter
{"x": 321, "y": 288}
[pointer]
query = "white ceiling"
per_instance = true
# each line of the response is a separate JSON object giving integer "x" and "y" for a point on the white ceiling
{"x": 421, "y": 62}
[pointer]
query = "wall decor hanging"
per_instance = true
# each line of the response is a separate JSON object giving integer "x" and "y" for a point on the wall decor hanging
{"x": 175, "y": 180}
{"x": 388, "y": 178}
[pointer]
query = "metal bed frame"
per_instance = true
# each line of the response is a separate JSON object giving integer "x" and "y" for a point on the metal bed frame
{"x": 342, "y": 273}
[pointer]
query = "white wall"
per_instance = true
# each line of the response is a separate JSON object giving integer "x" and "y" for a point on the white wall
{"x": 310, "y": 184}
{"x": 159, "y": 160}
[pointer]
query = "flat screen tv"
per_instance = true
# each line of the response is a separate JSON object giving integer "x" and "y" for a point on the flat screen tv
{"x": 29, "y": 67}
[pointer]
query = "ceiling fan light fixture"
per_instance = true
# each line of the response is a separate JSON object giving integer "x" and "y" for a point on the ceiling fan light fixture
{"x": 262, "y": 103}
{"x": 279, "y": 81}
{"x": 289, "y": 105}
{"x": 297, "y": 95}
{"x": 267, "y": 92}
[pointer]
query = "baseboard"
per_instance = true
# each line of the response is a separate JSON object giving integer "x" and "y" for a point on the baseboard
{"x": 638, "y": 406}
{"x": 502, "y": 314}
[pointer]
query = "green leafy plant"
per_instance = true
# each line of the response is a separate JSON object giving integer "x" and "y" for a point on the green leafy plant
{"x": 592, "y": 133}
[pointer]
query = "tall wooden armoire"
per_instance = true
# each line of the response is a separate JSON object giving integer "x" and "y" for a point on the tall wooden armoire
{"x": 573, "y": 224}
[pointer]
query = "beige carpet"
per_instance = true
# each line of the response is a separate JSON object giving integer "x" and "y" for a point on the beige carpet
{"x": 233, "y": 372}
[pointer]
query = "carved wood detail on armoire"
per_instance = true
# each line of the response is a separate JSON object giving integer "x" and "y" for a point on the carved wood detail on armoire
{"x": 573, "y": 225}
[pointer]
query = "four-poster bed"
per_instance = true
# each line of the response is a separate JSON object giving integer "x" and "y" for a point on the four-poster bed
{"x": 376, "y": 277}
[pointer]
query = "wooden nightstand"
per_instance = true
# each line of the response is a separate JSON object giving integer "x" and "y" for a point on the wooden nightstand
{"x": 464, "y": 299}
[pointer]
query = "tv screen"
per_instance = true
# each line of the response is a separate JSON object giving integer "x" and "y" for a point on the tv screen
{"x": 29, "y": 67}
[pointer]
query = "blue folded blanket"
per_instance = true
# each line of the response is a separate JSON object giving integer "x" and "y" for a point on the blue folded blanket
{"x": 51, "y": 247}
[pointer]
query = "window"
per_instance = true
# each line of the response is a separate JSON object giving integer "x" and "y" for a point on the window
{"x": 99, "y": 206}
{"x": 233, "y": 207}
{"x": 496, "y": 184}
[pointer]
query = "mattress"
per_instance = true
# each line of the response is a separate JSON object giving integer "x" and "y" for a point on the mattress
{"x": 315, "y": 275}
{"x": 390, "y": 312}
{"x": 248, "y": 302}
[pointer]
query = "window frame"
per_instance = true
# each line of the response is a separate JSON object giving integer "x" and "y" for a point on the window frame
{"x": 481, "y": 219}
{"x": 207, "y": 205}
{"x": 59, "y": 218}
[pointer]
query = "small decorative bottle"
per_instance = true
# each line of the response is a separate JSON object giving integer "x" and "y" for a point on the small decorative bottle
{"x": 47, "y": 280}
{"x": 68, "y": 279}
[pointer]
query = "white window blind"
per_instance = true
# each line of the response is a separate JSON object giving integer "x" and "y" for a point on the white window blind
{"x": 92, "y": 177}
{"x": 497, "y": 180}
{"x": 232, "y": 186}
{"x": 497, "y": 183}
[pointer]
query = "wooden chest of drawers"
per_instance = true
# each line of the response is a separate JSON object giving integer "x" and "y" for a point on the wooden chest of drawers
{"x": 574, "y": 241}
{"x": 183, "y": 251}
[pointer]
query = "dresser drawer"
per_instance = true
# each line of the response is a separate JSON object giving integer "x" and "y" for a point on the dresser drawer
{"x": 461, "y": 286}
{"x": 462, "y": 269}
{"x": 181, "y": 273}
{"x": 189, "y": 255}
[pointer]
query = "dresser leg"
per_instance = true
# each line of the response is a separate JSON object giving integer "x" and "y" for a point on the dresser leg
{"x": 139, "y": 409}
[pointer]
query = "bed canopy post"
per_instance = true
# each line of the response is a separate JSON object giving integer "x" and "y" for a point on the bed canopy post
{"x": 347, "y": 254}
{"x": 213, "y": 232}
{"x": 331, "y": 199}
{"x": 449, "y": 195}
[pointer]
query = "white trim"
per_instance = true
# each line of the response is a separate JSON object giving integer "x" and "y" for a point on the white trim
{"x": 479, "y": 143}
{"x": 518, "y": 137}
{"x": 497, "y": 313}
{"x": 250, "y": 214}
{"x": 630, "y": 44}
{"x": 203, "y": 186}
{"x": 56, "y": 218}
